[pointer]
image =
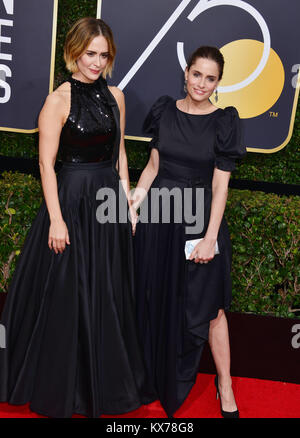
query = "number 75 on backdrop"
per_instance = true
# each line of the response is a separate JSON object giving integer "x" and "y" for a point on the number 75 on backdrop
{"x": 260, "y": 43}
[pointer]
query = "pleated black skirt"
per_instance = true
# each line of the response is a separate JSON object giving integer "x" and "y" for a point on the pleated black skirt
{"x": 71, "y": 341}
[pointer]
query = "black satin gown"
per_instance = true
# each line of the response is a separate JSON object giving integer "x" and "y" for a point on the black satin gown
{"x": 71, "y": 341}
{"x": 176, "y": 299}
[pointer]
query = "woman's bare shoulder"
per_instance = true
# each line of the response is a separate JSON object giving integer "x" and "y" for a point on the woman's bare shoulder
{"x": 61, "y": 94}
{"x": 117, "y": 93}
{"x": 58, "y": 102}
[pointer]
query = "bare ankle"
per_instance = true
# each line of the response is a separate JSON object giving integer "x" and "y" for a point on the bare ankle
{"x": 225, "y": 380}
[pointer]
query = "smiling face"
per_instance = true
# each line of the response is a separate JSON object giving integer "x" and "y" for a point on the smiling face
{"x": 93, "y": 60}
{"x": 202, "y": 79}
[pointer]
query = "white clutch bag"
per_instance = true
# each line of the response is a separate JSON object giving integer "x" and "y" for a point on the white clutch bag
{"x": 190, "y": 245}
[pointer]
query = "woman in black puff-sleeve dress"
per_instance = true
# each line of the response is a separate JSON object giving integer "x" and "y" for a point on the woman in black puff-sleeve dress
{"x": 181, "y": 303}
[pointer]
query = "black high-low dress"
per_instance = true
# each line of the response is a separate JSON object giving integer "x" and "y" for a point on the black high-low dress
{"x": 71, "y": 341}
{"x": 176, "y": 299}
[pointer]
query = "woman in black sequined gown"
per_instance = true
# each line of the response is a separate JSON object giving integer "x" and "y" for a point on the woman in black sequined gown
{"x": 71, "y": 342}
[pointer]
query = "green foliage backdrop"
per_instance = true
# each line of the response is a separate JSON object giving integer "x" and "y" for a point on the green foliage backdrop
{"x": 264, "y": 231}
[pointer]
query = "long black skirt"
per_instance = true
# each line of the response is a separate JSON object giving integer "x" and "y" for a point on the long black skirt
{"x": 176, "y": 298}
{"x": 71, "y": 341}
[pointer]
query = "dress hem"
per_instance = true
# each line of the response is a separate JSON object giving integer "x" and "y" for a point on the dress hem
{"x": 103, "y": 412}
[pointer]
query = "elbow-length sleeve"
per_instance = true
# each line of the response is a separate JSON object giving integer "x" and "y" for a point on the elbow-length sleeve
{"x": 152, "y": 120}
{"x": 229, "y": 145}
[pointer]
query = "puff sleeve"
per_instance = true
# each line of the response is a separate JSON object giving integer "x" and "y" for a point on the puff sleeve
{"x": 229, "y": 145}
{"x": 152, "y": 120}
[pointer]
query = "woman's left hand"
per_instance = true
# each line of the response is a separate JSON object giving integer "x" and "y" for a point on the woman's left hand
{"x": 204, "y": 251}
{"x": 134, "y": 218}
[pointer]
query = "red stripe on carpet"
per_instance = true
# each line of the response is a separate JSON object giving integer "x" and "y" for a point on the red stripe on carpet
{"x": 255, "y": 398}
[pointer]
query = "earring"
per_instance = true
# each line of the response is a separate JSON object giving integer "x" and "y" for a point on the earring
{"x": 184, "y": 86}
{"x": 216, "y": 95}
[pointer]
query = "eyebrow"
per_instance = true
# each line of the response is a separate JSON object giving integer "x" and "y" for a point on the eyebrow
{"x": 210, "y": 76}
{"x": 102, "y": 53}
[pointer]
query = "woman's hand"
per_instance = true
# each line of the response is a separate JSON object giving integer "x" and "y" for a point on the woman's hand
{"x": 133, "y": 216}
{"x": 204, "y": 251}
{"x": 58, "y": 236}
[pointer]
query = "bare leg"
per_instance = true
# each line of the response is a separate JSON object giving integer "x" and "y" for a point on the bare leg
{"x": 219, "y": 345}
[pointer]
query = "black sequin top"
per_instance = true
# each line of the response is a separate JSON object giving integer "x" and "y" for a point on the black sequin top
{"x": 89, "y": 132}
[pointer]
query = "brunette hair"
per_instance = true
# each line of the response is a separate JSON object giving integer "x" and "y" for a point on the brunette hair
{"x": 208, "y": 52}
{"x": 79, "y": 37}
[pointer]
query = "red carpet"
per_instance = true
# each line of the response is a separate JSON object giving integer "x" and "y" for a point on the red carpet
{"x": 256, "y": 398}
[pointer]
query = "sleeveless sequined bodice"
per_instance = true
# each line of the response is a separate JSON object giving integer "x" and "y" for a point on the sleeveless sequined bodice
{"x": 89, "y": 132}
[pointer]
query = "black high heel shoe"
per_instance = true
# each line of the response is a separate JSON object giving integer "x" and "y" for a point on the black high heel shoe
{"x": 225, "y": 414}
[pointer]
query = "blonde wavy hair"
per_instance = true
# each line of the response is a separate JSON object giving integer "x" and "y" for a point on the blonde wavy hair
{"x": 79, "y": 37}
